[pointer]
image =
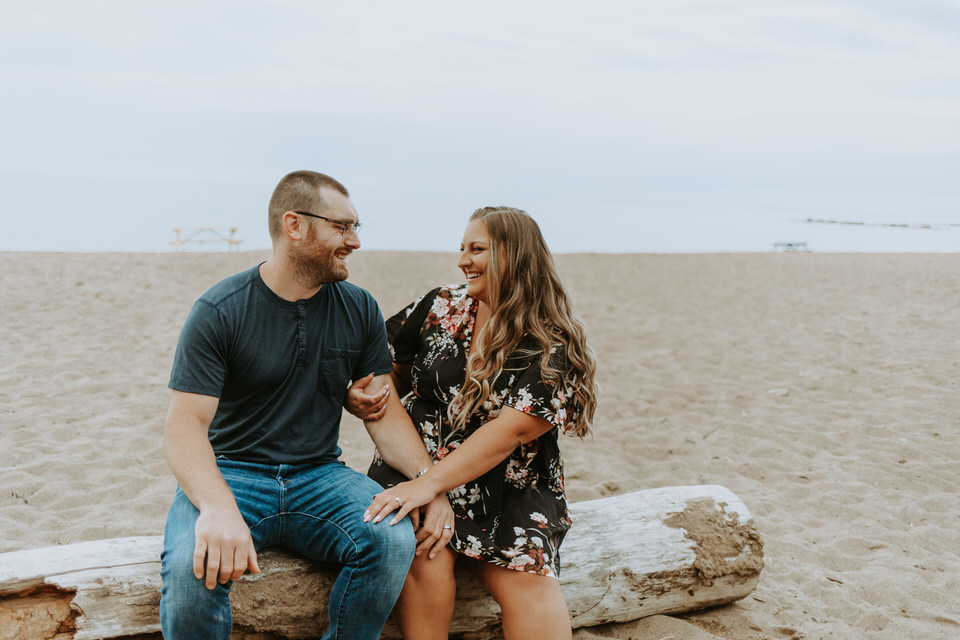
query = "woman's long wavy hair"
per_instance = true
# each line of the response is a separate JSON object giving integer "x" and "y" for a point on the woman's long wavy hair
{"x": 526, "y": 297}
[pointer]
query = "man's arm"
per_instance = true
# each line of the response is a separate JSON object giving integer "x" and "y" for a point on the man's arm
{"x": 480, "y": 452}
{"x": 394, "y": 434}
{"x": 401, "y": 448}
{"x": 222, "y": 537}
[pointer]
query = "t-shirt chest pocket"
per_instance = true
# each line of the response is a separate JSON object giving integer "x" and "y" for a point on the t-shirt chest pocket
{"x": 336, "y": 370}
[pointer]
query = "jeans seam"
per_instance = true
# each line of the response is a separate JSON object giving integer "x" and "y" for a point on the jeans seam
{"x": 356, "y": 554}
{"x": 264, "y": 519}
{"x": 340, "y": 605}
{"x": 326, "y": 521}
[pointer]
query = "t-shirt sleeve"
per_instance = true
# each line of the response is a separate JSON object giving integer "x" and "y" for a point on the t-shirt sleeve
{"x": 376, "y": 354}
{"x": 404, "y": 327}
{"x": 532, "y": 393}
{"x": 199, "y": 362}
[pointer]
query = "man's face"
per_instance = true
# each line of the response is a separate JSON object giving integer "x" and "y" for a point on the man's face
{"x": 321, "y": 255}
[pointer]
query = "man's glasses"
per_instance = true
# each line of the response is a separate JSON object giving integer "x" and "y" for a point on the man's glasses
{"x": 340, "y": 225}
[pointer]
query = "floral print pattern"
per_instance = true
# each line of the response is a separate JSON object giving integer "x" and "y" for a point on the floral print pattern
{"x": 516, "y": 514}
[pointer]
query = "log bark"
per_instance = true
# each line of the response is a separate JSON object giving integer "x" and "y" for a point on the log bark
{"x": 667, "y": 550}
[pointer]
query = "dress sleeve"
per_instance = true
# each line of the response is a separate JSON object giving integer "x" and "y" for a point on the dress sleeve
{"x": 404, "y": 327}
{"x": 531, "y": 392}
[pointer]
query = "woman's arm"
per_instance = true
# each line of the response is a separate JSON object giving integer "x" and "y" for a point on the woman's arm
{"x": 481, "y": 451}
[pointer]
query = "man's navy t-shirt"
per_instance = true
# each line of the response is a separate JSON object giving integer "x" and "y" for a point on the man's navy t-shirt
{"x": 280, "y": 369}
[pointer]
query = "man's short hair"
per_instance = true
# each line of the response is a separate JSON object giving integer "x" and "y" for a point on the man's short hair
{"x": 300, "y": 191}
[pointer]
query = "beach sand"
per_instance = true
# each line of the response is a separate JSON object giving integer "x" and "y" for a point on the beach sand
{"x": 822, "y": 389}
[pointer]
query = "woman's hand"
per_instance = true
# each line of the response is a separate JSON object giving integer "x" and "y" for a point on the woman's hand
{"x": 436, "y": 526}
{"x": 402, "y": 498}
{"x": 363, "y": 405}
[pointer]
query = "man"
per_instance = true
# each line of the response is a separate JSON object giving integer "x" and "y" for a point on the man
{"x": 260, "y": 372}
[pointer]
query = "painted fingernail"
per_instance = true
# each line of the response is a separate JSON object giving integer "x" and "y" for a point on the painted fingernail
{"x": 366, "y": 516}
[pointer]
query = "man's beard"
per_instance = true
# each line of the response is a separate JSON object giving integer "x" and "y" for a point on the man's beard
{"x": 313, "y": 268}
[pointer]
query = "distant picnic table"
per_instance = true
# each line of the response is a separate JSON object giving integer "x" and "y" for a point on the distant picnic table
{"x": 205, "y": 235}
{"x": 790, "y": 246}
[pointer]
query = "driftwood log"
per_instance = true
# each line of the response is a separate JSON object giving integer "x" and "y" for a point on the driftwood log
{"x": 666, "y": 550}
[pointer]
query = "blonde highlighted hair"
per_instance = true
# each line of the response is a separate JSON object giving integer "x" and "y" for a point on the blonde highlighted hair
{"x": 526, "y": 297}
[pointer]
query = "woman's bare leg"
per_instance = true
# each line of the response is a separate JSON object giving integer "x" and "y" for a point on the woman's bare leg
{"x": 425, "y": 606}
{"x": 533, "y": 606}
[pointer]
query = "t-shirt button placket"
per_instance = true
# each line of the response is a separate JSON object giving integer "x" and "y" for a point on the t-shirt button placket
{"x": 302, "y": 333}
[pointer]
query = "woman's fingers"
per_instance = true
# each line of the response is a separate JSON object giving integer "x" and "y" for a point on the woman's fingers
{"x": 381, "y": 507}
{"x": 379, "y": 414}
{"x": 401, "y": 513}
{"x": 402, "y": 499}
{"x": 363, "y": 405}
{"x": 446, "y": 535}
{"x": 426, "y": 537}
{"x": 436, "y": 532}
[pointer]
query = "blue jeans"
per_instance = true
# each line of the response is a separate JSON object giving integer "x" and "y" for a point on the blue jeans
{"x": 316, "y": 511}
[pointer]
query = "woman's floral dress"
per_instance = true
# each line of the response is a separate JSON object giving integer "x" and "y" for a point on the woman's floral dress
{"x": 516, "y": 514}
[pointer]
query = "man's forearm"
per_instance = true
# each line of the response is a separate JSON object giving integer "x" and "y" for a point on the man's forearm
{"x": 400, "y": 446}
{"x": 397, "y": 439}
{"x": 192, "y": 461}
{"x": 409, "y": 458}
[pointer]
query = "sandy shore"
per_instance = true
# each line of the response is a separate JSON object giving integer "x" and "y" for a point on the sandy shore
{"x": 821, "y": 389}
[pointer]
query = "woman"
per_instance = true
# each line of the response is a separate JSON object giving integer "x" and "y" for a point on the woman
{"x": 497, "y": 368}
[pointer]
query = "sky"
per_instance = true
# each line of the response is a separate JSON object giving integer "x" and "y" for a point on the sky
{"x": 621, "y": 126}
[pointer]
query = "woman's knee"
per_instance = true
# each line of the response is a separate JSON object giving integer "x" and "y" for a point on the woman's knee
{"x": 437, "y": 570}
{"x": 509, "y": 587}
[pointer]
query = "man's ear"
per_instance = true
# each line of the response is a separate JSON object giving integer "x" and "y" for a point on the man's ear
{"x": 292, "y": 226}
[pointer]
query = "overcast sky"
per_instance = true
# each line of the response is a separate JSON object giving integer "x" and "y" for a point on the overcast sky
{"x": 641, "y": 125}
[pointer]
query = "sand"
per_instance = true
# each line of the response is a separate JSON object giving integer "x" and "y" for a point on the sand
{"x": 821, "y": 389}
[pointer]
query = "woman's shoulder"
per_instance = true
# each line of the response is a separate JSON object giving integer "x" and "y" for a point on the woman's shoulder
{"x": 451, "y": 291}
{"x": 438, "y": 302}
{"x": 451, "y": 296}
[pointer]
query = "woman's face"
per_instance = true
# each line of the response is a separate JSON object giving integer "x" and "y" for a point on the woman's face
{"x": 474, "y": 256}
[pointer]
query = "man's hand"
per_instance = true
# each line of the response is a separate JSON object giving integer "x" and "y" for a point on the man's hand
{"x": 363, "y": 405}
{"x": 222, "y": 541}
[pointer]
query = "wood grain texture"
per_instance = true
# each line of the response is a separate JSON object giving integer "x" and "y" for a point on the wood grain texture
{"x": 666, "y": 550}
